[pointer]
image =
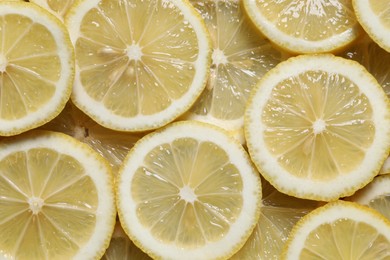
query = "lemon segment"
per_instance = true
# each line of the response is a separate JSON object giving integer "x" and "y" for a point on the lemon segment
{"x": 376, "y": 195}
{"x": 373, "y": 58}
{"x": 36, "y": 67}
{"x": 339, "y": 230}
{"x": 317, "y": 127}
{"x": 374, "y": 18}
{"x": 240, "y": 56}
{"x": 305, "y": 26}
{"x": 188, "y": 190}
{"x": 140, "y": 65}
{"x": 53, "y": 191}
{"x": 57, "y": 7}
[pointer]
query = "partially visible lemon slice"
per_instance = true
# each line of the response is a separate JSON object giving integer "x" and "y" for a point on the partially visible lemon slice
{"x": 318, "y": 127}
{"x": 56, "y": 198}
{"x": 139, "y": 64}
{"x": 112, "y": 145}
{"x": 374, "y": 58}
{"x": 122, "y": 248}
{"x": 376, "y": 195}
{"x": 278, "y": 215}
{"x": 188, "y": 191}
{"x": 374, "y": 16}
{"x": 305, "y": 26}
{"x": 340, "y": 230}
{"x": 241, "y": 55}
{"x": 36, "y": 67}
{"x": 57, "y": 7}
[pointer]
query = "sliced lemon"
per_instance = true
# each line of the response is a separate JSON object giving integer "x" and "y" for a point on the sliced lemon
{"x": 57, "y": 7}
{"x": 340, "y": 230}
{"x": 36, "y": 67}
{"x": 278, "y": 215}
{"x": 188, "y": 191}
{"x": 56, "y": 198}
{"x": 241, "y": 55}
{"x": 140, "y": 64}
{"x": 121, "y": 247}
{"x": 376, "y": 195}
{"x": 374, "y": 58}
{"x": 374, "y": 16}
{"x": 385, "y": 167}
{"x": 112, "y": 145}
{"x": 318, "y": 127}
{"x": 305, "y": 26}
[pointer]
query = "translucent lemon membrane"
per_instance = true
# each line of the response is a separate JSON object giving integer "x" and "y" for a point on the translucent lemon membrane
{"x": 240, "y": 57}
{"x": 318, "y": 125}
{"x": 183, "y": 203}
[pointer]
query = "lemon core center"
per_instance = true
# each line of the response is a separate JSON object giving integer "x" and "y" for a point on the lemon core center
{"x": 319, "y": 126}
{"x": 134, "y": 51}
{"x": 3, "y": 63}
{"x": 219, "y": 57}
{"x": 187, "y": 194}
{"x": 35, "y": 204}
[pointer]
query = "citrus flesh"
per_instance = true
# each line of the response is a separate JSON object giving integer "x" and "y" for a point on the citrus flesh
{"x": 188, "y": 190}
{"x": 373, "y": 58}
{"x": 140, "y": 64}
{"x": 374, "y": 16}
{"x": 305, "y": 26}
{"x": 112, "y": 145}
{"x": 340, "y": 230}
{"x": 56, "y": 198}
{"x": 58, "y": 7}
{"x": 376, "y": 195}
{"x": 241, "y": 55}
{"x": 317, "y": 127}
{"x": 36, "y": 67}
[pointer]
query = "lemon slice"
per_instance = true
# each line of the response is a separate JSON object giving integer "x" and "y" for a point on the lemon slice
{"x": 56, "y": 198}
{"x": 340, "y": 230}
{"x": 278, "y": 215}
{"x": 385, "y": 167}
{"x": 374, "y": 58}
{"x": 305, "y": 26}
{"x": 112, "y": 145}
{"x": 240, "y": 57}
{"x": 121, "y": 247}
{"x": 36, "y": 67}
{"x": 188, "y": 191}
{"x": 318, "y": 127}
{"x": 57, "y": 7}
{"x": 376, "y": 195}
{"x": 374, "y": 16}
{"x": 139, "y": 64}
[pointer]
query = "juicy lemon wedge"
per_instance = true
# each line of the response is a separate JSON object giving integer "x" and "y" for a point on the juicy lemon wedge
{"x": 188, "y": 191}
